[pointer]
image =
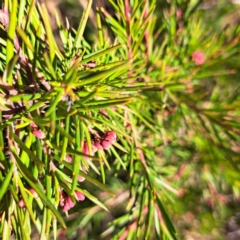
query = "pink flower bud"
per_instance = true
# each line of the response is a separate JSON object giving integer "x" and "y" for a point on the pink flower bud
{"x": 103, "y": 111}
{"x": 38, "y": 134}
{"x": 68, "y": 159}
{"x": 79, "y": 196}
{"x": 94, "y": 149}
{"x": 81, "y": 178}
{"x": 111, "y": 135}
{"x": 110, "y": 138}
{"x": 21, "y": 203}
{"x": 86, "y": 151}
{"x": 33, "y": 125}
{"x": 62, "y": 198}
{"x": 98, "y": 145}
{"x": 68, "y": 204}
{"x": 166, "y": 112}
{"x": 198, "y": 57}
{"x": 179, "y": 13}
{"x": 113, "y": 108}
{"x": 85, "y": 148}
{"x": 106, "y": 145}
{"x": 35, "y": 195}
{"x": 167, "y": 68}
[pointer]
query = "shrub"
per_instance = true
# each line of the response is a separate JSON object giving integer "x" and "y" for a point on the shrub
{"x": 138, "y": 124}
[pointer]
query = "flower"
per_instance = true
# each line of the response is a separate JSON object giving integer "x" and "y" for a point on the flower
{"x": 98, "y": 145}
{"x": 38, "y": 134}
{"x": 4, "y": 17}
{"x": 198, "y": 57}
{"x": 103, "y": 111}
{"x": 110, "y": 137}
{"x": 33, "y": 192}
{"x": 81, "y": 178}
{"x": 21, "y": 203}
{"x": 66, "y": 202}
{"x": 33, "y": 125}
{"x": 79, "y": 196}
{"x": 86, "y": 151}
{"x": 167, "y": 68}
{"x": 179, "y": 13}
{"x": 68, "y": 159}
{"x": 106, "y": 144}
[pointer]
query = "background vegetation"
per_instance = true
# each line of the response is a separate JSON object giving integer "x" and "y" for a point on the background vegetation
{"x": 163, "y": 76}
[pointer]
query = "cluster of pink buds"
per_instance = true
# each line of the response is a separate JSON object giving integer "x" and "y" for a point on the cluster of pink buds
{"x": 36, "y": 132}
{"x": 66, "y": 202}
{"x": 105, "y": 141}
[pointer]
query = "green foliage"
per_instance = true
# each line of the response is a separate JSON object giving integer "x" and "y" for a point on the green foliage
{"x": 148, "y": 118}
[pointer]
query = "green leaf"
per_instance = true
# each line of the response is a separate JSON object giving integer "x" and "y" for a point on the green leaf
{"x": 5, "y": 183}
{"x": 27, "y": 150}
{"x": 26, "y": 199}
{"x": 166, "y": 219}
{"x": 51, "y": 41}
{"x": 93, "y": 56}
{"x": 92, "y": 198}
{"x": 82, "y": 25}
{"x": 25, "y": 38}
{"x": 46, "y": 201}
{"x": 94, "y": 77}
{"x": 11, "y": 34}
{"x": 54, "y": 102}
{"x": 76, "y": 159}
